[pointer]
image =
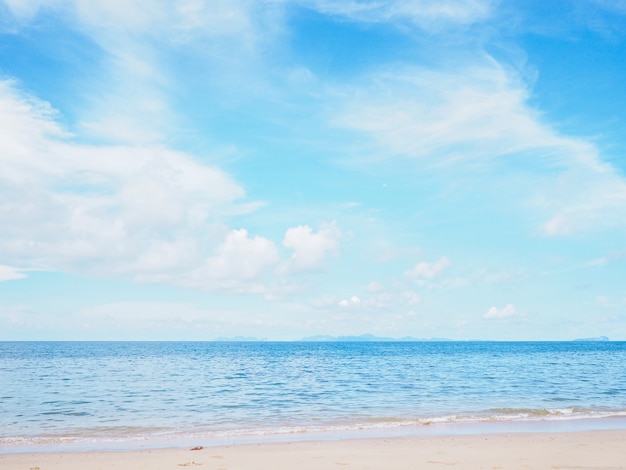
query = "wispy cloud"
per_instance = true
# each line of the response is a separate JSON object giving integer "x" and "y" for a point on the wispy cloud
{"x": 470, "y": 114}
{"x": 427, "y": 14}
{"x": 425, "y": 270}
{"x": 584, "y": 200}
{"x": 353, "y": 301}
{"x": 509, "y": 311}
{"x": 479, "y": 119}
{"x": 130, "y": 88}
{"x": 7, "y": 273}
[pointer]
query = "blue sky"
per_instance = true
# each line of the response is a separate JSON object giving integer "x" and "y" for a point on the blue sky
{"x": 189, "y": 169}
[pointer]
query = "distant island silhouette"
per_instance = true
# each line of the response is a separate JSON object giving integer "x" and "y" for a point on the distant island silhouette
{"x": 371, "y": 338}
{"x": 367, "y": 337}
{"x": 597, "y": 338}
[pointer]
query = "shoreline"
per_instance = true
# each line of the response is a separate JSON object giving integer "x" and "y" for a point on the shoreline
{"x": 122, "y": 443}
{"x": 596, "y": 449}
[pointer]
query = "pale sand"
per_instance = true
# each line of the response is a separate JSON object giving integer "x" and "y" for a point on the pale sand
{"x": 577, "y": 450}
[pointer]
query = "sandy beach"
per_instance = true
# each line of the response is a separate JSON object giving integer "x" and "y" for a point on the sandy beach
{"x": 575, "y": 450}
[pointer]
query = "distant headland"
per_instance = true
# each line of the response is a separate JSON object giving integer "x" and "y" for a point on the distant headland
{"x": 597, "y": 338}
{"x": 367, "y": 338}
{"x": 372, "y": 339}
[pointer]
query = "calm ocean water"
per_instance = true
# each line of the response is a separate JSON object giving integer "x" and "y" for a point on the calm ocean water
{"x": 98, "y": 392}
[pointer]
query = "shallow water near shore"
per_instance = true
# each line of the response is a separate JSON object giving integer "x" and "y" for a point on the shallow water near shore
{"x": 105, "y": 394}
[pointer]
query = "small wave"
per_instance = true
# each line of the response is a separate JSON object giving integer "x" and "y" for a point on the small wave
{"x": 64, "y": 413}
{"x": 524, "y": 414}
{"x": 114, "y": 435}
{"x": 388, "y": 423}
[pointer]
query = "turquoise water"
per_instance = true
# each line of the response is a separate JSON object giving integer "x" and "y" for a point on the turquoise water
{"x": 99, "y": 392}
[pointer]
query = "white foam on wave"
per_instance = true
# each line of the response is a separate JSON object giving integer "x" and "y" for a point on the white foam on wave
{"x": 162, "y": 437}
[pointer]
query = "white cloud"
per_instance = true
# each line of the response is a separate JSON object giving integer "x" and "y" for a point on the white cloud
{"x": 239, "y": 264}
{"x": 374, "y": 287}
{"x": 175, "y": 18}
{"x": 424, "y": 270}
{"x": 236, "y": 17}
{"x": 381, "y": 301}
{"x": 140, "y": 211}
{"x": 557, "y": 225}
{"x": 475, "y": 117}
{"x": 509, "y": 311}
{"x": 431, "y": 15}
{"x": 353, "y": 301}
{"x": 129, "y": 96}
{"x": 135, "y": 210}
{"x": 584, "y": 199}
{"x": 310, "y": 249}
{"x": 421, "y": 113}
{"x": 7, "y": 273}
{"x": 241, "y": 257}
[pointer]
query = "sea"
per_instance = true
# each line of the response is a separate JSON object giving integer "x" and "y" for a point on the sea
{"x": 115, "y": 395}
